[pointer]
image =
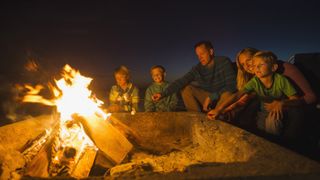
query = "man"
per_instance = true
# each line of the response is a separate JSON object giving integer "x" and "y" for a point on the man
{"x": 209, "y": 81}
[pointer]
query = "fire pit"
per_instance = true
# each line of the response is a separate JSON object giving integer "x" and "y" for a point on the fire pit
{"x": 172, "y": 145}
{"x": 82, "y": 140}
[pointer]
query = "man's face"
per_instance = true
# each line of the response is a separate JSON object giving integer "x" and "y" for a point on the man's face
{"x": 204, "y": 55}
{"x": 157, "y": 75}
{"x": 121, "y": 79}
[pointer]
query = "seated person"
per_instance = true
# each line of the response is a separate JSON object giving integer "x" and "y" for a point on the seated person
{"x": 159, "y": 84}
{"x": 244, "y": 109}
{"x": 124, "y": 96}
{"x": 278, "y": 98}
{"x": 212, "y": 79}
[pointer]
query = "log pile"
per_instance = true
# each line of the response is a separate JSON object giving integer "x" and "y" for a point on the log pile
{"x": 45, "y": 156}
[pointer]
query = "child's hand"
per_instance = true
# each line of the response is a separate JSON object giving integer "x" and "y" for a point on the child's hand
{"x": 156, "y": 97}
{"x": 275, "y": 108}
{"x": 205, "y": 105}
{"x": 213, "y": 114}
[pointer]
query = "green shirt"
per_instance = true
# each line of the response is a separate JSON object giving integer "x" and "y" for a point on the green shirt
{"x": 165, "y": 104}
{"x": 280, "y": 89}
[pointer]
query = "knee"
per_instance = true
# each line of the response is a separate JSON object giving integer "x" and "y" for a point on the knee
{"x": 186, "y": 90}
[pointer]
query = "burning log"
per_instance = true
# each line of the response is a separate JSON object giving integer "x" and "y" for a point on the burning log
{"x": 48, "y": 155}
{"x": 77, "y": 136}
{"x": 68, "y": 149}
{"x": 38, "y": 167}
{"x": 106, "y": 137}
{"x": 85, "y": 163}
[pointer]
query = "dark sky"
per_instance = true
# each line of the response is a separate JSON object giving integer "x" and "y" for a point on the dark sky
{"x": 97, "y": 36}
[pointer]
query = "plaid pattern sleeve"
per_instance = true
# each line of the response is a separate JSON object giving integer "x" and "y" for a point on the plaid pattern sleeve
{"x": 113, "y": 95}
{"x": 179, "y": 83}
{"x": 135, "y": 98}
{"x": 224, "y": 78}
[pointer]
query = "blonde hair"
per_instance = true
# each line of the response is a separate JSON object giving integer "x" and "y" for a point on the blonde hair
{"x": 242, "y": 75}
{"x": 123, "y": 70}
{"x": 268, "y": 56}
{"x": 159, "y": 67}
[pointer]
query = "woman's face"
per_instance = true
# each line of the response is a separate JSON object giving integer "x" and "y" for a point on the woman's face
{"x": 245, "y": 60}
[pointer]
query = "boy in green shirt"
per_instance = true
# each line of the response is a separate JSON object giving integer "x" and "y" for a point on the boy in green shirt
{"x": 275, "y": 92}
{"x": 159, "y": 84}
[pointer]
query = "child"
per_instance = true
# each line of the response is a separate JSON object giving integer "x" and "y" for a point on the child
{"x": 124, "y": 96}
{"x": 276, "y": 94}
{"x": 168, "y": 103}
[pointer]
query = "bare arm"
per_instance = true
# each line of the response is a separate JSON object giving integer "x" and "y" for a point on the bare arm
{"x": 213, "y": 114}
{"x": 292, "y": 72}
{"x": 276, "y": 107}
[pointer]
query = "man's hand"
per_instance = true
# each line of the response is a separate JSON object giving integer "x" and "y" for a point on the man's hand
{"x": 205, "y": 105}
{"x": 275, "y": 108}
{"x": 213, "y": 114}
{"x": 156, "y": 97}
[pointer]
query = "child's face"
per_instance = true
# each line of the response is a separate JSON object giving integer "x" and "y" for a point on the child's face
{"x": 245, "y": 60}
{"x": 261, "y": 67}
{"x": 157, "y": 75}
{"x": 121, "y": 79}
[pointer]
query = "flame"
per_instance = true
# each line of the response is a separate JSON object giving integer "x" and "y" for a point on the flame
{"x": 71, "y": 96}
{"x": 75, "y": 96}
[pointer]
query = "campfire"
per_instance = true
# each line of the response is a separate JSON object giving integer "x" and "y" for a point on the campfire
{"x": 82, "y": 140}
{"x": 82, "y": 128}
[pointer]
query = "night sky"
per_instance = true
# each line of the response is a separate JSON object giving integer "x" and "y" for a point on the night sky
{"x": 97, "y": 36}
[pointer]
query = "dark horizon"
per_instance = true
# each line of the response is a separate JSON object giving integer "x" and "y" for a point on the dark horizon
{"x": 96, "y": 37}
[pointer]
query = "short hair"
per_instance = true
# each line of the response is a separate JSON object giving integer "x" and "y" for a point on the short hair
{"x": 122, "y": 70}
{"x": 268, "y": 56}
{"x": 158, "y": 66}
{"x": 207, "y": 44}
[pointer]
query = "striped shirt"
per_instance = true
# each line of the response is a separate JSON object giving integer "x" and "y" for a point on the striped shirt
{"x": 166, "y": 104}
{"x": 216, "y": 79}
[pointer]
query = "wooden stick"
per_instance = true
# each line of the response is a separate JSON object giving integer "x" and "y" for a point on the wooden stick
{"x": 106, "y": 137}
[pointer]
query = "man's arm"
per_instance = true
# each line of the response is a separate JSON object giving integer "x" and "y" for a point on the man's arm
{"x": 229, "y": 79}
{"x": 178, "y": 84}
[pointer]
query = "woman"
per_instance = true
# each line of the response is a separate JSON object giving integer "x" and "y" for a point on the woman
{"x": 244, "y": 110}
